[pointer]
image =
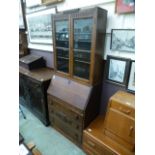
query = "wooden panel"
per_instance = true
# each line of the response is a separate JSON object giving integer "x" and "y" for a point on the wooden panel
{"x": 122, "y": 108}
{"x": 70, "y": 92}
{"x": 120, "y": 125}
{"x": 93, "y": 146}
{"x": 125, "y": 98}
{"x": 66, "y": 130}
{"x": 90, "y": 151}
{"x": 41, "y": 74}
{"x": 67, "y": 112}
{"x": 66, "y": 115}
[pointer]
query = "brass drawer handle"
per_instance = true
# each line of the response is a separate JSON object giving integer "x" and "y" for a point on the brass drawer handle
{"x": 125, "y": 111}
{"x": 131, "y": 130}
{"x": 90, "y": 143}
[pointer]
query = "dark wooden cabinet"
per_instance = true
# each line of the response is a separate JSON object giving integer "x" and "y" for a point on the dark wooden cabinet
{"x": 33, "y": 89}
{"x": 114, "y": 133}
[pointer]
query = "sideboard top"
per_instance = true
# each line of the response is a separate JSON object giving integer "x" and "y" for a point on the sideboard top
{"x": 41, "y": 74}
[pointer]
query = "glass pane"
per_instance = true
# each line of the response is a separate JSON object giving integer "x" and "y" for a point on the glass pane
{"x": 62, "y": 64}
{"x": 81, "y": 69}
{"x": 62, "y": 34}
{"x": 83, "y": 33}
{"x": 62, "y": 53}
{"x": 82, "y": 56}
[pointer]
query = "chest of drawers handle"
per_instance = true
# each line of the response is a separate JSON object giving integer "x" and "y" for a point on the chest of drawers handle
{"x": 131, "y": 130}
{"x": 90, "y": 143}
{"x": 124, "y": 111}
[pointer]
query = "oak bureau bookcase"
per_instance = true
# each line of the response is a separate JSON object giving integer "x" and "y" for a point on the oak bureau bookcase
{"x": 75, "y": 89}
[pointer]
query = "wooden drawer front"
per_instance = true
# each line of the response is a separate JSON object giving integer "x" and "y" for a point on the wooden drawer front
{"x": 65, "y": 129}
{"x": 66, "y": 111}
{"x": 65, "y": 118}
{"x": 123, "y": 108}
{"x": 90, "y": 151}
{"x": 120, "y": 125}
{"x": 94, "y": 148}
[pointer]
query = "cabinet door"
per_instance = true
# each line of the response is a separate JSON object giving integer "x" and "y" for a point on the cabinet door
{"x": 120, "y": 125}
{"x": 82, "y": 38}
{"x": 24, "y": 90}
{"x": 36, "y": 97}
{"x": 62, "y": 45}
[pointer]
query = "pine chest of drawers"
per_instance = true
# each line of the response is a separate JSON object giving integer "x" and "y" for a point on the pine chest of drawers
{"x": 119, "y": 122}
{"x": 113, "y": 134}
{"x": 95, "y": 142}
{"x": 71, "y": 106}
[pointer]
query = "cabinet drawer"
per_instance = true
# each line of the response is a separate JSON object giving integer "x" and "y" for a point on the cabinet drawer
{"x": 90, "y": 143}
{"x": 89, "y": 150}
{"x": 66, "y": 130}
{"x": 92, "y": 147}
{"x": 66, "y": 119}
{"x": 61, "y": 107}
{"x": 120, "y": 125}
{"x": 123, "y": 108}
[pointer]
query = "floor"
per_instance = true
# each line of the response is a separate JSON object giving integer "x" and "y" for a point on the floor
{"x": 47, "y": 140}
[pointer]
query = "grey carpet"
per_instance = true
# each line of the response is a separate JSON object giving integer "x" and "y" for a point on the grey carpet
{"x": 47, "y": 139}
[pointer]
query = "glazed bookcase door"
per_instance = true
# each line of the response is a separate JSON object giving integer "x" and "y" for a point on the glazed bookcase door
{"x": 82, "y": 47}
{"x": 62, "y": 45}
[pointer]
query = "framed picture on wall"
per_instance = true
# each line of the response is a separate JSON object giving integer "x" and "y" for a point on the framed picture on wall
{"x": 51, "y": 1}
{"x": 123, "y": 40}
{"x": 21, "y": 16}
{"x": 40, "y": 26}
{"x": 131, "y": 82}
{"x": 124, "y": 6}
{"x": 117, "y": 70}
{"x": 33, "y": 3}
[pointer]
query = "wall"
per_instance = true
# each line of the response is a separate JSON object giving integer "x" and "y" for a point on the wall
{"x": 124, "y": 21}
{"x": 48, "y": 56}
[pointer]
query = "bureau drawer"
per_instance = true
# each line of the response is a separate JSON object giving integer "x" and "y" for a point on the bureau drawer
{"x": 54, "y": 104}
{"x": 66, "y": 130}
{"x": 76, "y": 125}
{"x": 92, "y": 147}
{"x": 122, "y": 108}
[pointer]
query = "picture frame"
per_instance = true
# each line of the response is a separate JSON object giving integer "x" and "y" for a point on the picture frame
{"x": 117, "y": 70}
{"x": 22, "y": 22}
{"x": 32, "y": 3}
{"x": 131, "y": 79}
{"x": 40, "y": 26}
{"x": 123, "y": 40}
{"x": 51, "y": 1}
{"x": 124, "y": 6}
